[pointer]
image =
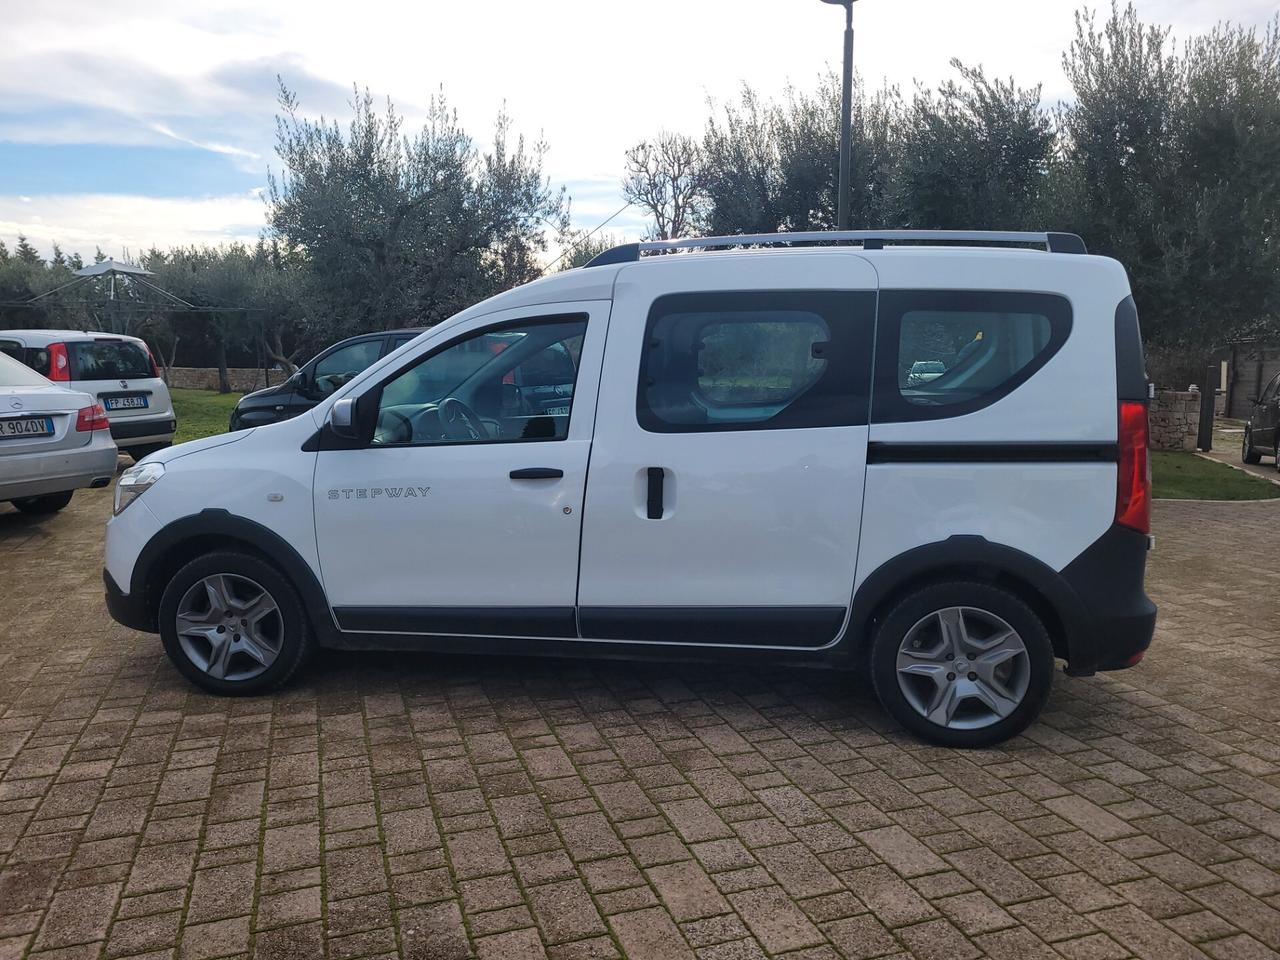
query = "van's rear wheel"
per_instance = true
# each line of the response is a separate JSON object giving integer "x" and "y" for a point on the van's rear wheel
{"x": 233, "y": 624}
{"x": 962, "y": 664}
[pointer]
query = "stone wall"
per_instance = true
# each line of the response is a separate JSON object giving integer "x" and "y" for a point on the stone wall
{"x": 243, "y": 379}
{"x": 1175, "y": 419}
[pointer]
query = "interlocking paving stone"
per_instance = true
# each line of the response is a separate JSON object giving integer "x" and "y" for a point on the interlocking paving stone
{"x": 420, "y": 806}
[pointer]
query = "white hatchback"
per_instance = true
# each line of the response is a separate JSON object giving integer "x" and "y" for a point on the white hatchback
{"x": 118, "y": 371}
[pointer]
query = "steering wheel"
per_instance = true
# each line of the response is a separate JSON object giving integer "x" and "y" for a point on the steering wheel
{"x": 460, "y": 422}
{"x": 398, "y": 429}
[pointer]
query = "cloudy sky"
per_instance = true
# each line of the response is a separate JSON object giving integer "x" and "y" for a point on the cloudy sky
{"x": 131, "y": 123}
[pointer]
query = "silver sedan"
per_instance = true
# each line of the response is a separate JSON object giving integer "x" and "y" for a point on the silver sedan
{"x": 53, "y": 441}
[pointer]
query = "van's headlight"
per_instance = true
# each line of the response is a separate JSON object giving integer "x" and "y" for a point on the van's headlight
{"x": 136, "y": 481}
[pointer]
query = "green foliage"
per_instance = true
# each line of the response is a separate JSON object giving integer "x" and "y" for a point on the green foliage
{"x": 402, "y": 230}
{"x": 974, "y": 155}
{"x": 1166, "y": 158}
{"x": 1175, "y": 170}
{"x": 773, "y": 165}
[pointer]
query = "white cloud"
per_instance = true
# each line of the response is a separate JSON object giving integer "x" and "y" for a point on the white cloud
{"x": 81, "y": 222}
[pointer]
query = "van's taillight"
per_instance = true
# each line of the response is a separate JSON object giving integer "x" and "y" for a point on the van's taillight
{"x": 155, "y": 371}
{"x": 1133, "y": 482}
{"x": 59, "y": 362}
{"x": 92, "y": 418}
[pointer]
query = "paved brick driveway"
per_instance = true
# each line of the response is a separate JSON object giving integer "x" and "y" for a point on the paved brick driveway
{"x": 448, "y": 807}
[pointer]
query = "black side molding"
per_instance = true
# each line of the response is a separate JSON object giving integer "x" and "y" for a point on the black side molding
{"x": 888, "y": 452}
{"x": 550, "y": 622}
{"x": 799, "y": 627}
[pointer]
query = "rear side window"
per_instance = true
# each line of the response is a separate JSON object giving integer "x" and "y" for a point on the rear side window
{"x": 37, "y": 358}
{"x": 944, "y": 353}
{"x": 108, "y": 360}
{"x": 756, "y": 361}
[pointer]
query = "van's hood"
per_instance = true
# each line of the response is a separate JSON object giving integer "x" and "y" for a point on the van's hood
{"x": 169, "y": 454}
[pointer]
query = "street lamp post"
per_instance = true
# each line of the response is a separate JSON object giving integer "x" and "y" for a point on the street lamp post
{"x": 846, "y": 115}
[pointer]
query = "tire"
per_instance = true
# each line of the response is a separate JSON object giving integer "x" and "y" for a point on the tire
{"x": 285, "y": 631}
{"x": 1247, "y": 453}
{"x": 1016, "y": 688}
{"x": 145, "y": 450}
{"x": 49, "y": 503}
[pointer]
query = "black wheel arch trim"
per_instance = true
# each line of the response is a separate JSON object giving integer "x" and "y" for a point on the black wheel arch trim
{"x": 1071, "y": 625}
{"x": 226, "y": 526}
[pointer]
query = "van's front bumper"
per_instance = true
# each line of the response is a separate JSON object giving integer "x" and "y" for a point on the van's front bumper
{"x": 131, "y": 610}
{"x": 1119, "y": 616}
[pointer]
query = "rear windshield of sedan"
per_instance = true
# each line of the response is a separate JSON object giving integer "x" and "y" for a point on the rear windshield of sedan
{"x": 108, "y": 360}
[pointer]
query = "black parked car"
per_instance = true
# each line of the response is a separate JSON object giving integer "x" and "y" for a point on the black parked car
{"x": 1262, "y": 432}
{"x": 317, "y": 378}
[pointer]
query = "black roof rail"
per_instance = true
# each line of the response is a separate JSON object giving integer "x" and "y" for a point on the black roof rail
{"x": 869, "y": 239}
{"x": 625, "y": 253}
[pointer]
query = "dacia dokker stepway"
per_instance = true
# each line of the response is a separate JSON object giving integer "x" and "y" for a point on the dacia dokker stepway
{"x": 697, "y": 454}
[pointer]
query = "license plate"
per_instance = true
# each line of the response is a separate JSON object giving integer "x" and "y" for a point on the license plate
{"x": 125, "y": 403}
{"x": 558, "y": 411}
{"x": 26, "y": 427}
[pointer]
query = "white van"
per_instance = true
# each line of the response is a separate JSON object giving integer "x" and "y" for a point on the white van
{"x": 700, "y": 455}
{"x": 117, "y": 370}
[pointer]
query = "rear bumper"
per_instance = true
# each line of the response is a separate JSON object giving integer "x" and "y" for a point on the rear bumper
{"x": 1117, "y": 615}
{"x": 35, "y": 475}
{"x": 136, "y": 430}
{"x": 128, "y": 609}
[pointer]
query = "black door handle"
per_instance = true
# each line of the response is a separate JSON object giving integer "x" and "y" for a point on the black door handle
{"x": 537, "y": 473}
{"x": 657, "y": 476}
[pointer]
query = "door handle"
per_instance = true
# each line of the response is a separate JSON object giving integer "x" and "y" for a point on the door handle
{"x": 657, "y": 478}
{"x": 537, "y": 473}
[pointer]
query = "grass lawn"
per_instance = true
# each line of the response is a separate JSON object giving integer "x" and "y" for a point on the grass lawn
{"x": 201, "y": 413}
{"x": 1184, "y": 476}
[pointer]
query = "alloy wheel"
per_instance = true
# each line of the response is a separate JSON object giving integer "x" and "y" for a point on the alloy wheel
{"x": 229, "y": 627}
{"x": 963, "y": 668}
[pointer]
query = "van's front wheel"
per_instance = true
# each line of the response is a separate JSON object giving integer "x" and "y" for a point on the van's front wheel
{"x": 962, "y": 664}
{"x": 233, "y": 624}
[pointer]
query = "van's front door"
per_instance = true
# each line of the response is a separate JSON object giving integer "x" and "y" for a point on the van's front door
{"x": 461, "y": 514}
{"x": 727, "y": 474}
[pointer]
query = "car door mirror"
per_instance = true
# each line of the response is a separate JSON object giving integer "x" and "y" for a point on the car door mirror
{"x": 342, "y": 419}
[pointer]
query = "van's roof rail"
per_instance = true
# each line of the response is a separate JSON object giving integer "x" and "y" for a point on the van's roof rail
{"x": 870, "y": 240}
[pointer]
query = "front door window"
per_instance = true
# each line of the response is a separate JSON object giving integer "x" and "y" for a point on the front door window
{"x": 501, "y": 385}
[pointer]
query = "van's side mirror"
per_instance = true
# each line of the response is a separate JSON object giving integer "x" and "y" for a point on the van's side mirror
{"x": 342, "y": 419}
